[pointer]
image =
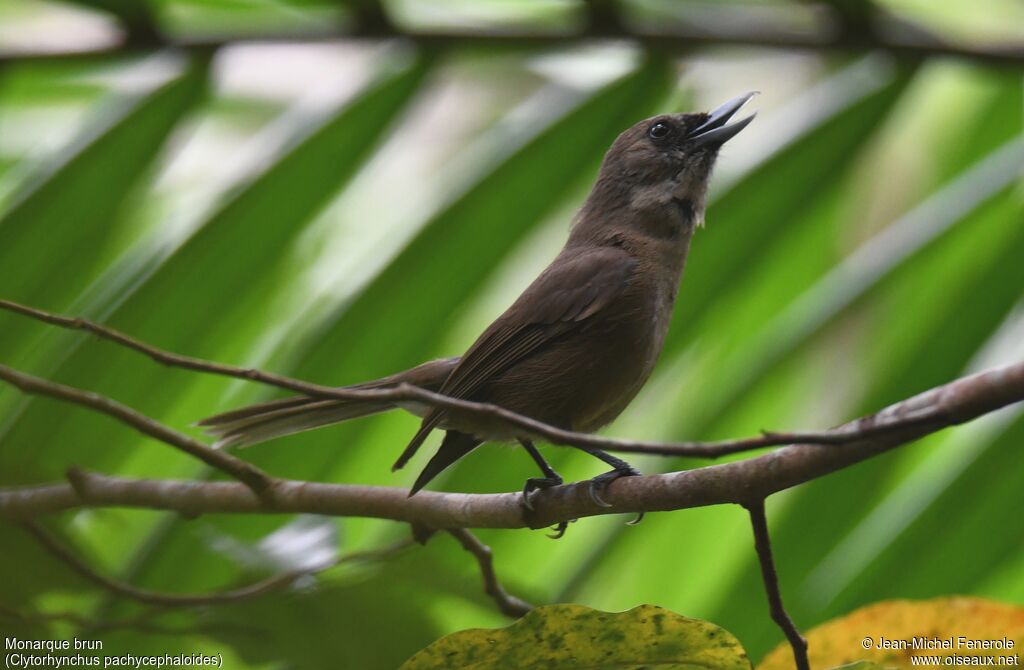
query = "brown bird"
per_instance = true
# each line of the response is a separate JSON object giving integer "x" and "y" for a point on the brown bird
{"x": 583, "y": 338}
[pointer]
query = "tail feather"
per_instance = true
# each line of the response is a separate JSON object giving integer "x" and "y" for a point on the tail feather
{"x": 455, "y": 446}
{"x": 254, "y": 410}
{"x": 272, "y": 420}
{"x": 259, "y": 423}
{"x": 429, "y": 423}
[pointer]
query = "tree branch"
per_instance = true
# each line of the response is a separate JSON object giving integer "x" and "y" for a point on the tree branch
{"x": 508, "y": 605}
{"x": 256, "y": 589}
{"x": 249, "y": 474}
{"x": 869, "y": 426}
{"x": 763, "y": 545}
{"x": 738, "y": 482}
{"x": 909, "y": 43}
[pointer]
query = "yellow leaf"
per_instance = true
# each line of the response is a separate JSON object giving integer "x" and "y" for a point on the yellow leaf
{"x": 565, "y": 637}
{"x": 966, "y": 631}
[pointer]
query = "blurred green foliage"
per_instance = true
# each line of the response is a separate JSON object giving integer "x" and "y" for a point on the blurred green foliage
{"x": 338, "y": 213}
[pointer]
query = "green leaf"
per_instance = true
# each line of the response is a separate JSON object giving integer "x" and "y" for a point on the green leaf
{"x": 373, "y": 622}
{"x": 565, "y": 637}
{"x": 862, "y": 272}
{"x": 60, "y": 231}
{"x": 985, "y": 471}
{"x": 921, "y": 325}
{"x": 900, "y": 363}
{"x": 235, "y": 17}
{"x": 199, "y": 299}
{"x": 936, "y": 277}
{"x": 211, "y": 297}
{"x": 372, "y": 614}
{"x": 755, "y": 212}
{"x": 214, "y": 284}
{"x": 812, "y": 506}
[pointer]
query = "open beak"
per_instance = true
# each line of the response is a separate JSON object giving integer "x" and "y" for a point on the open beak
{"x": 714, "y": 132}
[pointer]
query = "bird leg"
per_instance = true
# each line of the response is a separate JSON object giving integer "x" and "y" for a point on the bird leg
{"x": 599, "y": 483}
{"x": 550, "y": 478}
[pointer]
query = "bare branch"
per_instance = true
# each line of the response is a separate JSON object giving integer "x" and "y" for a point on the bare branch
{"x": 247, "y": 473}
{"x": 738, "y": 482}
{"x": 508, "y": 605}
{"x": 175, "y": 360}
{"x": 763, "y": 544}
{"x": 911, "y": 43}
{"x": 868, "y": 426}
{"x": 256, "y": 589}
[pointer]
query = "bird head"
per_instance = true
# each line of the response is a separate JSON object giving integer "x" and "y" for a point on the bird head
{"x": 656, "y": 173}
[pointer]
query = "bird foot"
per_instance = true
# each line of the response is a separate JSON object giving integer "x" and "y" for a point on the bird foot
{"x": 535, "y": 484}
{"x": 559, "y": 529}
{"x": 538, "y": 484}
{"x": 600, "y": 483}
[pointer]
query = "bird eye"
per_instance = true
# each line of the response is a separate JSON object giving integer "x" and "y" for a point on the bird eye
{"x": 659, "y": 130}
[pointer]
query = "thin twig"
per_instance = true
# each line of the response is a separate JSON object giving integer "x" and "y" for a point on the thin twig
{"x": 872, "y": 425}
{"x": 509, "y": 605}
{"x": 256, "y": 589}
{"x": 679, "y": 39}
{"x": 249, "y": 474}
{"x": 737, "y": 482}
{"x": 176, "y": 360}
{"x": 763, "y": 544}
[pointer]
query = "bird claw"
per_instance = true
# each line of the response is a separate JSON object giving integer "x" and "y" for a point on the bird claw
{"x": 559, "y": 530}
{"x": 537, "y": 484}
{"x": 595, "y": 496}
{"x": 601, "y": 482}
{"x": 534, "y": 484}
{"x": 637, "y": 520}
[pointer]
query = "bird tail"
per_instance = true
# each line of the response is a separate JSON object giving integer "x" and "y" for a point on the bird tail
{"x": 259, "y": 423}
{"x": 455, "y": 446}
{"x": 265, "y": 421}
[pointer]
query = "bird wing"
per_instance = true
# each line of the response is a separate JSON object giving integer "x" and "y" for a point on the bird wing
{"x": 560, "y": 300}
